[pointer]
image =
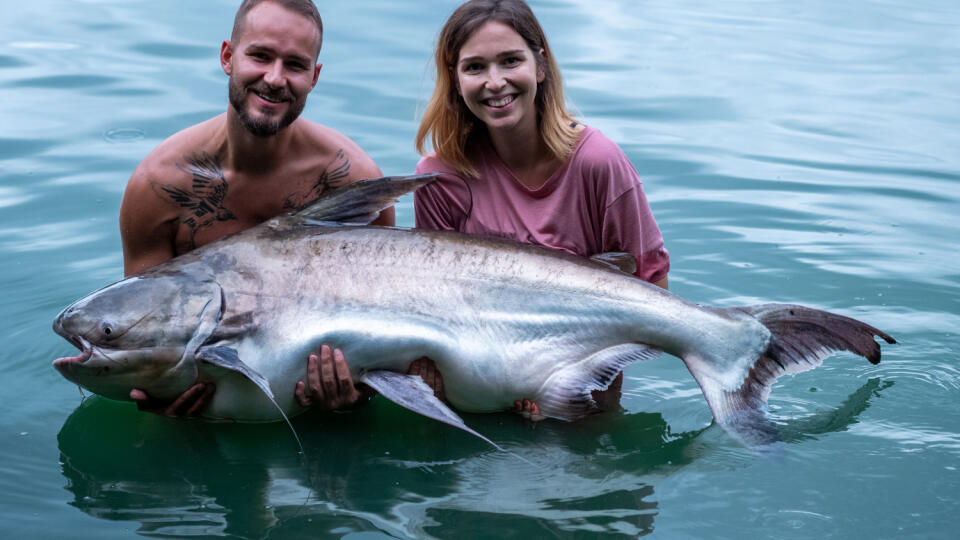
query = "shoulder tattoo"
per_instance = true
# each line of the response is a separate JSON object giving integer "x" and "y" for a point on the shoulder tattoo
{"x": 204, "y": 200}
{"x": 333, "y": 175}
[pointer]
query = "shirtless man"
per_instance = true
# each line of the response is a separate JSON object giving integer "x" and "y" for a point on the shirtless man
{"x": 243, "y": 167}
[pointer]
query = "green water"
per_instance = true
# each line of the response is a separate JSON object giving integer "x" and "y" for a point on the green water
{"x": 792, "y": 151}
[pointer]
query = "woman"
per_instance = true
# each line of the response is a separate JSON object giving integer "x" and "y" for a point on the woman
{"x": 515, "y": 162}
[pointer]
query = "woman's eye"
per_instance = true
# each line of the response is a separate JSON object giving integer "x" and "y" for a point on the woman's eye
{"x": 511, "y": 61}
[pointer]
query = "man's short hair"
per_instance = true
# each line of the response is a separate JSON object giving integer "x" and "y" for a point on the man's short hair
{"x": 304, "y": 7}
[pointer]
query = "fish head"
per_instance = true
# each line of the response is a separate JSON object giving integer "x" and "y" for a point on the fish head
{"x": 140, "y": 333}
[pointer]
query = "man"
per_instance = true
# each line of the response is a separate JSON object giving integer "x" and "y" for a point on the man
{"x": 238, "y": 169}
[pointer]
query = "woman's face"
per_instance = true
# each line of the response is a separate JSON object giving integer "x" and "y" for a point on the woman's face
{"x": 497, "y": 76}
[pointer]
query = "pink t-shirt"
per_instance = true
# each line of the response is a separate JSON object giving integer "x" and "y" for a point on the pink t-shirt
{"x": 593, "y": 204}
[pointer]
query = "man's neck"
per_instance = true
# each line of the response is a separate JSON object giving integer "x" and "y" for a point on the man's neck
{"x": 249, "y": 153}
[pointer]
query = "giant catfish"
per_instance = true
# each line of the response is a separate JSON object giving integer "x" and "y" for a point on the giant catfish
{"x": 501, "y": 320}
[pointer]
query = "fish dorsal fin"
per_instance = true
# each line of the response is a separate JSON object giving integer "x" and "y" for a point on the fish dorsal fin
{"x": 228, "y": 358}
{"x": 359, "y": 203}
{"x": 410, "y": 392}
{"x": 618, "y": 260}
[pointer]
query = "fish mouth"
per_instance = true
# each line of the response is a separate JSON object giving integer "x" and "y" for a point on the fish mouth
{"x": 65, "y": 364}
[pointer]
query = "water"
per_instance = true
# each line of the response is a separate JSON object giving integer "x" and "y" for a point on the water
{"x": 794, "y": 152}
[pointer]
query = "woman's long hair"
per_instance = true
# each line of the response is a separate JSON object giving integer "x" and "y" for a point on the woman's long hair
{"x": 453, "y": 128}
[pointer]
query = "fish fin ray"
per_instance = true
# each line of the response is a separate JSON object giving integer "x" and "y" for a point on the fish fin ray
{"x": 410, "y": 392}
{"x": 228, "y": 358}
{"x": 359, "y": 203}
{"x": 567, "y": 395}
{"x": 801, "y": 338}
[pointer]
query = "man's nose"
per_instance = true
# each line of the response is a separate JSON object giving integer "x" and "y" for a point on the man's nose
{"x": 275, "y": 74}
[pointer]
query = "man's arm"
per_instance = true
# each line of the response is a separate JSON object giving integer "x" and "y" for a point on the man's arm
{"x": 148, "y": 227}
{"x": 148, "y": 230}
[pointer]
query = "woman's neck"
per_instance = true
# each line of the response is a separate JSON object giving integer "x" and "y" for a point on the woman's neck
{"x": 525, "y": 153}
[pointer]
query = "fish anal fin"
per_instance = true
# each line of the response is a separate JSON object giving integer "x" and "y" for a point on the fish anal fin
{"x": 410, "y": 392}
{"x": 568, "y": 394}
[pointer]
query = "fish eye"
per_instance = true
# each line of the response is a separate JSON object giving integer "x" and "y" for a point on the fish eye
{"x": 107, "y": 328}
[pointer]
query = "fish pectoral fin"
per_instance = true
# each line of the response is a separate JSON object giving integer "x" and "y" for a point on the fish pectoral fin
{"x": 228, "y": 358}
{"x": 359, "y": 203}
{"x": 410, "y": 392}
{"x": 568, "y": 393}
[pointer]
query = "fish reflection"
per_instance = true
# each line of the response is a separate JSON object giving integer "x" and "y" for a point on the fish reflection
{"x": 380, "y": 470}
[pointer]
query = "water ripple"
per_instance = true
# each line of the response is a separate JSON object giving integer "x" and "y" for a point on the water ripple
{"x": 65, "y": 81}
{"x": 48, "y": 236}
{"x": 13, "y": 196}
{"x": 911, "y": 438}
{"x": 11, "y": 62}
{"x": 175, "y": 50}
{"x": 123, "y": 135}
{"x": 18, "y": 148}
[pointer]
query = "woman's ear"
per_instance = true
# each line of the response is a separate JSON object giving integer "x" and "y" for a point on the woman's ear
{"x": 541, "y": 70}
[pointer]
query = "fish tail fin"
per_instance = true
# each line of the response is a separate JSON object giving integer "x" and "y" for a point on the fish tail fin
{"x": 800, "y": 339}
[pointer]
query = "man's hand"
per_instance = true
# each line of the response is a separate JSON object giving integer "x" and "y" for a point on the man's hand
{"x": 190, "y": 403}
{"x": 329, "y": 386}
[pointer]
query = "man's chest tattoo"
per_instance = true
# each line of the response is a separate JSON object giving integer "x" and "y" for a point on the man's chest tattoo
{"x": 204, "y": 201}
{"x": 333, "y": 175}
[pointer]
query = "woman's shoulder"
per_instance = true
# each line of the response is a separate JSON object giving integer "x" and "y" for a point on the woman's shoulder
{"x": 596, "y": 153}
{"x": 430, "y": 163}
{"x": 594, "y": 144}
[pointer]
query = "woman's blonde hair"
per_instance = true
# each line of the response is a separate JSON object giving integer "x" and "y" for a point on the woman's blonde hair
{"x": 454, "y": 129}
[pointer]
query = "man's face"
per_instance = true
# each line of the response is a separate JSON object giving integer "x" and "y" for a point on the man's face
{"x": 272, "y": 68}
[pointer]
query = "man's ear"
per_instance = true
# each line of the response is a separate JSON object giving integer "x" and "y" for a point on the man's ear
{"x": 226, "y": 57}
{"x": 316, "y": 74}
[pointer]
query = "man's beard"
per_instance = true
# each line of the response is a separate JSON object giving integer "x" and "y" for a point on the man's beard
{"x": 260, "y": 126}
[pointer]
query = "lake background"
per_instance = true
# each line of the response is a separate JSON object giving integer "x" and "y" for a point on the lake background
{"x": 803, "y": 152}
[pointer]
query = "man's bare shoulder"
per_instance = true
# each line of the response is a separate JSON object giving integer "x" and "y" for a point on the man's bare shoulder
{"x": 163, "y": 163}
{"x": 337, "y": 147}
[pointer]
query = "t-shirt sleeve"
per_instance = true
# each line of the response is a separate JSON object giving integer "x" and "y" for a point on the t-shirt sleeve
{"x": 627, "y": 223}
{"x": 443, "y": 204}
{"x": 628, "y": 226}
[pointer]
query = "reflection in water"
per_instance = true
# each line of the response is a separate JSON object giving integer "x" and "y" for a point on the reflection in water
{"x": 381, "y": 469}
